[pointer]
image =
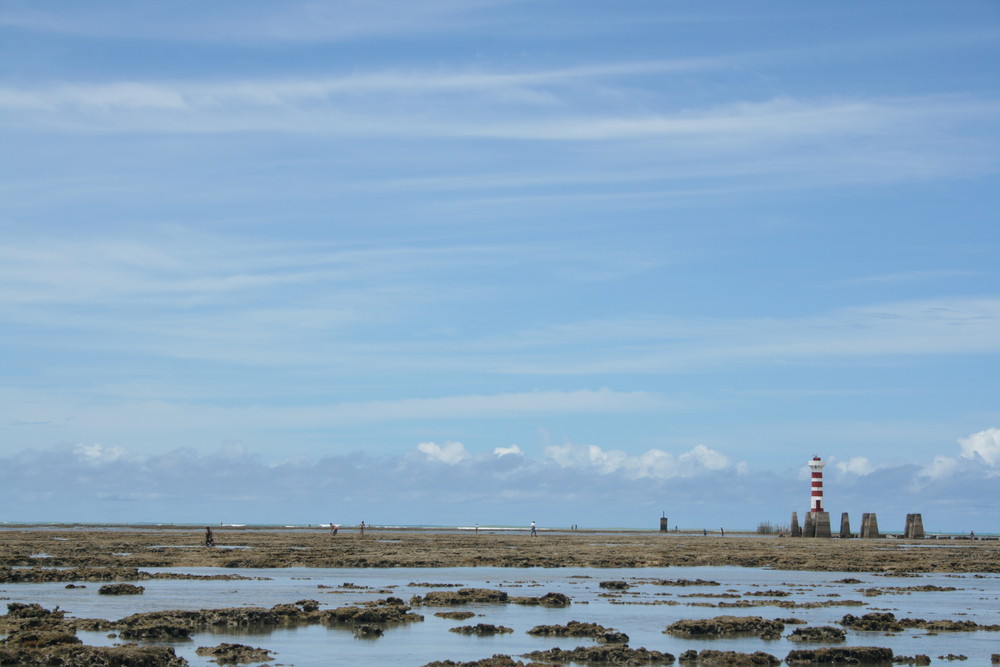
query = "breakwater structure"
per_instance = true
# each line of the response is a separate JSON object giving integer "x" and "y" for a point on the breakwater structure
{"x": 817, "y": 519}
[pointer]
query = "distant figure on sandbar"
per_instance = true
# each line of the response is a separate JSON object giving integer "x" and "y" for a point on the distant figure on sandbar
{"x": 704, "y": 531}
{"x": 209, "y": 537}
{"x": 722, "y": 532}
{"x": 534, "y": 531}
{"x": 333, "y": 528}
{"x": 362, "y": 527}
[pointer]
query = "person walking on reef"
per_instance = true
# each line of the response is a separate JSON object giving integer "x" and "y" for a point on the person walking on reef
{"x": 362, "y": 527}
{"x": 534, "y": 532}
{"x": 333, "y": 528}
{"x": 209, "y": 538}
{"x": 722, "y": 532}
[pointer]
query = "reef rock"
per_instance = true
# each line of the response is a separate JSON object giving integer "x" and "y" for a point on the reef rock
{"x": 726, "y": 625}
{"x": 459, "y": 597}
{"x": 234, "y": 654}
{"x": 857, "y": 655}
{"x": 120, "y": 589}
{"x": 823, "y": 633}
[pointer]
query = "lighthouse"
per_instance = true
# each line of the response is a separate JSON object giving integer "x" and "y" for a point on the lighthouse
{"x": 818, "y": 519}
{"x": 816, "y": 467}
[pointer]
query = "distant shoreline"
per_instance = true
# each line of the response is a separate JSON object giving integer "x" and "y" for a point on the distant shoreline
{"x": 126, "y": 549}
{"x": 41, "y": 525}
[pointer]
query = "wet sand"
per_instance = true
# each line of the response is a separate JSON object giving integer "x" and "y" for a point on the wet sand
{"x": 383, "y": 548}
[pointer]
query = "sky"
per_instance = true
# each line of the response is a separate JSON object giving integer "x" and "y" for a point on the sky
{"x": 498, "y": 261}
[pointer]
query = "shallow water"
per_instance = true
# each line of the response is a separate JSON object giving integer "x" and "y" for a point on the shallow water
{"x": 633, "y": 611}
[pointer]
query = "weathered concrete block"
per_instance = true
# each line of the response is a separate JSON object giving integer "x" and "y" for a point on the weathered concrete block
{"x": 845, "y": 526}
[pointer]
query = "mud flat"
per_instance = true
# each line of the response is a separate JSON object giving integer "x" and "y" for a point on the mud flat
{"x": 83, "y": 547}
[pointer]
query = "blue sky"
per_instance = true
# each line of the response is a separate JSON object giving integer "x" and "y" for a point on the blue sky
{"x": 459, "y": 262}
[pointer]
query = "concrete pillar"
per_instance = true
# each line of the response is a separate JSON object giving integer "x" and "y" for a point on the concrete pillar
{"x": 663, "y": 524}
{"x": 796, "y": 528}
{"x": 914, "y": 527}
{"x": 869, "y": 526}
{"x": 845, "y": 526}
{"x": 821, "y": 524}
{"x": 810, "y": 528}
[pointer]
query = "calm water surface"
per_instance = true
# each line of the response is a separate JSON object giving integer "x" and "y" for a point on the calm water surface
{"x": 633, "y": 611}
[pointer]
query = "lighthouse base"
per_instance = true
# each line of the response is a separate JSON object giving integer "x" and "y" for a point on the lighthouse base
{"x": 817, "y": 525}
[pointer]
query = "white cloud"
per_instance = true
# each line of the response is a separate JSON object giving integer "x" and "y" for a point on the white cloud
{"x": 513, "y": 450}
{"x": 858, "y": 465}
{"x": 941, "y": 467}
{"x": 97, "y": 454}
{"x": 983, "y": 446}
{"x": 449, "y": 452}
{"x": 979, "y": 452}
{"x": 654, "y": 463}
{"x": 705, "y": 458}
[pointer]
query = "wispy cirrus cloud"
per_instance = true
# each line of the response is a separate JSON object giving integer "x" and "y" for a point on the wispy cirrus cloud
{"x": 550, "y": 105}
{"x": 910, "y": 277}
{"x": 297, "y": 21}
{"x": 205, "y": 304}
{"x": 919, "y": 327}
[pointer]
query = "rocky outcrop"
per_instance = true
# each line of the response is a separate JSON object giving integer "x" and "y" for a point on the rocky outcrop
{"x": 727, "y": 625}
{"x": 460, "y": 597}
{"x": 711, "y": 658}
{"x": 555, "y": 600}
{"x": 578, "y": 629}
{"x": 45, "y": 575}
{"x": 823, "y": 633}
{"x": 482, "y": 629}
{"x": 234, "y": 654}
{"x": 120, "y": 589}
{"x": 887, "y": 622}
{"x": 857, "y": 655}
{"x": 455, "y": 615}
{"x": 603, "y": 655}
{"x": 390, "y": 610}
{"x": 104, "y": 656}
{"x": 498, "y": 660}
{"x": 684, "y": 582}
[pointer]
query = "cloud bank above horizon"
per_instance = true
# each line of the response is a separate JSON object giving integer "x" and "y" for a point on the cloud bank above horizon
{"x": 491, "y": 488}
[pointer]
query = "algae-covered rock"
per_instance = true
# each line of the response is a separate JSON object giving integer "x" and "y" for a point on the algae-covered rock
{"x": 548, "y": 600}
{"x": 856, "y": 655}
{"x": 713, "y": 658}
{"x": 120, "y": 589}
{"x": 498, "y": 660}
{"x": 459, "y": 597}
{"x": 578, "y": 629}
{"x": 726, "y": 625}
{"x": 234, "y": 654}
{"x": 823, "y": 633}
{"x": 482, "y": 629}
{"x": 103, "y": 656}
{"x": 603, "y": 655}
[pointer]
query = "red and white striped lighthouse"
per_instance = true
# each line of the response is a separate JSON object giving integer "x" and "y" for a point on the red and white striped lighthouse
{"x": 816, "y": 466}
